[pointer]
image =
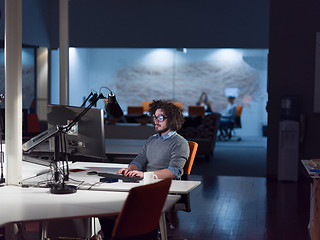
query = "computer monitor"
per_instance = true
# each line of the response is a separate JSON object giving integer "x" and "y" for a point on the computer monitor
{"x": 86, "y": 138}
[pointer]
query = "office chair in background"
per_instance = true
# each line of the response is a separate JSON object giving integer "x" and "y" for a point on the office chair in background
{"x": 33, "y": 123}
{"x": 236, "y": 124}
{"x": 228, "y": 131}
{"x": 196, "y": 110}
{"x": 145, "y": 105}
{"x": 178, "y": 104}
{"x": 135, "y": 110}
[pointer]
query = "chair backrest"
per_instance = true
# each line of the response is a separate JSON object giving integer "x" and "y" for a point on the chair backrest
{"x": 238, "y": 116}
{"x": 145, "y": 105}
{"x": 239, "y": 110}
{"x": 178, "y": 104}
{"x": 195, "y": 110}
{"x": 137, "y": 110}
{"x": 193, "y": 146}
{"x": 142, "y": 210}
{"x": 33, "y": 123}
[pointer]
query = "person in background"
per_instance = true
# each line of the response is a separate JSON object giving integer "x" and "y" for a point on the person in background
{"x": 227, "y": 117}
{"x": 164, "y": 153}
{"x": 203, "y": 101}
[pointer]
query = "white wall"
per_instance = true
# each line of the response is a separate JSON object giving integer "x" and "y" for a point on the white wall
{"x": 28, "y": 76}
{"x": 79, "y": 87}
{"x": 137, "y": 75}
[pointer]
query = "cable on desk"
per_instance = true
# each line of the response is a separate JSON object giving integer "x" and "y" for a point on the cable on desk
{"x": 92, "y": 185}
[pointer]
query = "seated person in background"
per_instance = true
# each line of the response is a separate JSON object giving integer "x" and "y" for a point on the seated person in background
{"x": 164, "y": 153}
{"x": 203, "y": 101}
{"x": 227, "y": 116}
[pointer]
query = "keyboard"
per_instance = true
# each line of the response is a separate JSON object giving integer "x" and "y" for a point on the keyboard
{"x": 111, "y": 177}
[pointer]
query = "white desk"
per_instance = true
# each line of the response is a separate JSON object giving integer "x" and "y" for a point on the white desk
{"x": 92, "y": 182}
{"x": 30, "y": 177}
{"x": 38, "y": 204}
{"x": 28, "y": 204}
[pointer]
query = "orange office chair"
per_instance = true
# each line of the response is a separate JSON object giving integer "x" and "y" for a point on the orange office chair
{"x": 140, "y": 215}
{"x": 184, "y": 202}
{"x": 237, "y": 120}
{"x": 105, "y": 104}
{"x": 135, "y": 110}
{"x": 145, "y": 105}
{"x": 228, "y": 131}
{"x": 196, "y": 110}
{"x": 178, "y": 104}
{"x": 193, "y": 146}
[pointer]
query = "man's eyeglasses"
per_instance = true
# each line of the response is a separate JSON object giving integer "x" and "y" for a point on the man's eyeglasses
{"x": 160, "y": 118}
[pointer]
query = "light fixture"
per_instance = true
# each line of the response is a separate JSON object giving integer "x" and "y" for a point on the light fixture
{"x": 113, "y": 108}
{"x": 184, "y": 50}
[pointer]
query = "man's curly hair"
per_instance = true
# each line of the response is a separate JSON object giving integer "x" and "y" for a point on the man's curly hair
{"x": 173, "y": 113}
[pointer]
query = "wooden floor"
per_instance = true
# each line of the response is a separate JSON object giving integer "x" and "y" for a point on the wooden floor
{"x": 245, "y": 208}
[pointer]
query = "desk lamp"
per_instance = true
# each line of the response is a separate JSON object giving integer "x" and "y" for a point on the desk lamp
{"x": 113, "y": 109}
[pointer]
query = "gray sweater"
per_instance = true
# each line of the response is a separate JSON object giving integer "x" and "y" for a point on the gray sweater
{"x": 158, "y": 153}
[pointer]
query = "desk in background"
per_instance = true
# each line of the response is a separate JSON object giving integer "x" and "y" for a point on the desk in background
{"x": 122, "y": 150}
{"x": 117, "y": 150}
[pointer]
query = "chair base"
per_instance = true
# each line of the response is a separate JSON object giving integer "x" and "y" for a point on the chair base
{"x": 227, "y": 135}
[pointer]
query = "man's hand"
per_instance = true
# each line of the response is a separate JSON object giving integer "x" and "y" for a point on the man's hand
{"x": 123, "y": 171}
{"x": 134, "y": 173}
{"x": 130, "y": 173}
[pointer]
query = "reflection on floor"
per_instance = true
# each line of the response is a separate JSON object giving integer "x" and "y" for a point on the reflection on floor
{"x": 245, "y": 208}
{"x": 236, "y": 201}
{"x": 235, "y": 158}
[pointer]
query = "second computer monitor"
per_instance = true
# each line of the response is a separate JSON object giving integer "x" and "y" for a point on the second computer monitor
{"x": 86, "y": 138}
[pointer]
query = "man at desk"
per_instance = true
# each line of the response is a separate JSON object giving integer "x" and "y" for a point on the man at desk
{"x": 166, "y": 152}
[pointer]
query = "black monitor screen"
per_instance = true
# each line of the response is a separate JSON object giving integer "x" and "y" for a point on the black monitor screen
{"x": 86, "y": 138}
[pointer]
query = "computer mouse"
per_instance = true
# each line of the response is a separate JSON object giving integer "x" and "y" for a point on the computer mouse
{"x": 92, "y": 173}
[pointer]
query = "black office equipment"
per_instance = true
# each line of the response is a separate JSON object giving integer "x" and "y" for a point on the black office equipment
{"x": 61, "y": 143}
{"x": 69, "y": 139}
{"x": 86, "y": 137}
{"x": 111, "y": 177}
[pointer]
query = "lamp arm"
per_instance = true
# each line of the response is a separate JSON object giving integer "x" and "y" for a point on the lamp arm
{"x": 106, "y": 88}
{"x": 85, "y": 101}
{"x": 74, "y": 121}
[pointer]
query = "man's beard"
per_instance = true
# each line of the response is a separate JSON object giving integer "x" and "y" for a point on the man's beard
{"x": 161, "y": 131}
